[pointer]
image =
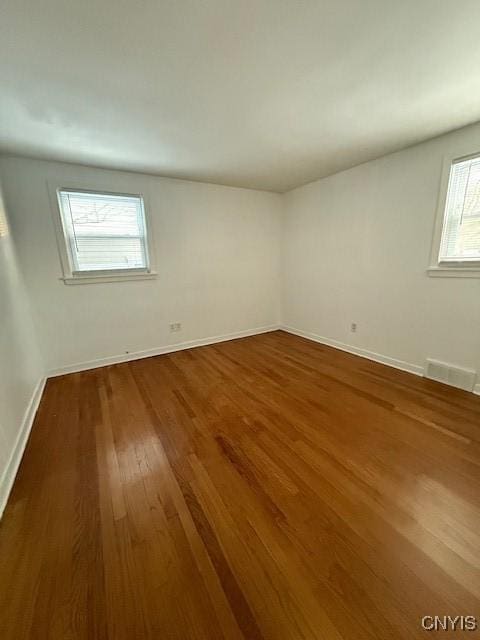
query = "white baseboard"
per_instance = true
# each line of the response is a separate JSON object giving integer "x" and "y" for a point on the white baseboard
{"x": 157, "y": 351}
{"x": 363, "y": 353}
{"x": 476, "y": 389}
{"x": 10, "y": 472}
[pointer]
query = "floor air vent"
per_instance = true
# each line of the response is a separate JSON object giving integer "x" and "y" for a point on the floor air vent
{"x": 448, "y": 374}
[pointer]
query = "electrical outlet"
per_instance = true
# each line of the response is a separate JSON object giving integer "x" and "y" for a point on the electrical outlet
{"x": 175, "y": 326}
{"x": 353, "y": 327}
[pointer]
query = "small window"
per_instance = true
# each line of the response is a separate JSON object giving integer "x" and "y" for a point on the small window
{"x": 105, "y": 234}
{"x": 461, "y": 226}
{"x": 457, "y": 245}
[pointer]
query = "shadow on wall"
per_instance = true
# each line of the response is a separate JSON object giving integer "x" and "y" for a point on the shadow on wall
{"x": 3, "y": 219}
{"x": 21, "y": 370}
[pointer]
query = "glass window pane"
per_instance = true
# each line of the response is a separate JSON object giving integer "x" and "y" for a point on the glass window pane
{"x": 104, "y": 232}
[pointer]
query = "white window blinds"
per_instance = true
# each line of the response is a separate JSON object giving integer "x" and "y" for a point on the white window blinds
{"x": 461, "y": 227}
{"x": 104, "y": 232}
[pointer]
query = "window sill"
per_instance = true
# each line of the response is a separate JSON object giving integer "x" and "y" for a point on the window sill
{"x": 454, "y": 272}
{"x": 112, "y": 277}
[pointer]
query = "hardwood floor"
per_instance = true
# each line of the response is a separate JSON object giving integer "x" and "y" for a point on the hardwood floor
{"x": 267, "y": 487}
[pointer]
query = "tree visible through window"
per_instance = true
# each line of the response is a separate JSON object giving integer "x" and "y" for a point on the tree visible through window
{"x": 104, "y": 232}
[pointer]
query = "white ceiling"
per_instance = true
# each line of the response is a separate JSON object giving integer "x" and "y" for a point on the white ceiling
{"x": 267, "y": 94}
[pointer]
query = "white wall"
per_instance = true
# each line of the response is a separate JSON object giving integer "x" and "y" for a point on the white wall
{"x": 356, "y": 246}
{"x": 21, "y": 369}
{"x": 218, "y": 253}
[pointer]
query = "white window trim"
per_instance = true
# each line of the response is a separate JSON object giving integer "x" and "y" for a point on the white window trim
{"x": 92, "y": 277}
{"x": 449, "y": 269}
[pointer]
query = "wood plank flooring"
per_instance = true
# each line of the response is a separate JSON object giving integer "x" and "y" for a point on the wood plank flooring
{"x": 267, "y": 487}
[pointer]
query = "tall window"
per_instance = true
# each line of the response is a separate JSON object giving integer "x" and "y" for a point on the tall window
{"x": 460, "y": 239}
{"x": 105, "y": 233}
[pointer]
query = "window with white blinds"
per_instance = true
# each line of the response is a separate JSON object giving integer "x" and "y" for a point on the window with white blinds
{"x": 104, "y": 232}
{"x": 460, "y": 240}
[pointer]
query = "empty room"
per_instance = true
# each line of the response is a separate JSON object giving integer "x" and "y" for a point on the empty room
{"x": 239, "y": 320}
